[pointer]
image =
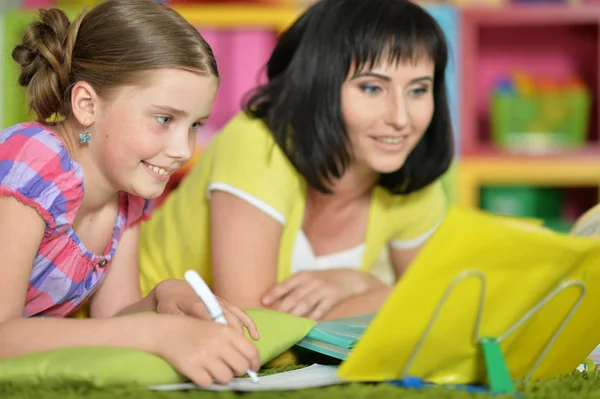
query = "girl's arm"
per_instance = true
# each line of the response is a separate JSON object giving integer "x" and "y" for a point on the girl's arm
{"x": 21, "y": 232}
{"x": 204, "y": 351}
{"x": 22, "y": 336}
{"x": 120, "y": 291}
{"x": 244, "y": 247}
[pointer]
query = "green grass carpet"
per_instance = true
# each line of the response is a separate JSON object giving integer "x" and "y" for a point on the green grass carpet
{"x": 577, "y": 385}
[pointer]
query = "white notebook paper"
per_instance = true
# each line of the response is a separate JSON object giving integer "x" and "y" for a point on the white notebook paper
{"x": 313, "y": 376}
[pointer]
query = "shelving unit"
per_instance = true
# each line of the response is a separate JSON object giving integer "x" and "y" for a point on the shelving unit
{"x": 485, "y": 43}
{"x": 557, "y": 40}
{"x": 236, "y": 16}
{"x": 249, "y": 17}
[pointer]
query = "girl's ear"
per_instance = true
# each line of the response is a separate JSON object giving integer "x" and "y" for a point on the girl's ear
{"x": 84, "y": 102}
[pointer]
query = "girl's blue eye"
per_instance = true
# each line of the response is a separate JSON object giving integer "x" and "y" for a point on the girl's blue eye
{"x": 197, "y": 125}
{"x": 370, "y": 89}
{"x": 163, "y": 120}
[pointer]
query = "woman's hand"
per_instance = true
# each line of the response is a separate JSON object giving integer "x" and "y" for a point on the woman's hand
{"x": 312, "y": 294}
{"x": 178, "y": 298}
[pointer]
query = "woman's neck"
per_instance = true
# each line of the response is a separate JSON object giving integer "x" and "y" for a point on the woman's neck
{"x": 357, "y": 182}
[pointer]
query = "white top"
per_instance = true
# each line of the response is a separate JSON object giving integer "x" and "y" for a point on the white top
{"x": 303, "y": 256}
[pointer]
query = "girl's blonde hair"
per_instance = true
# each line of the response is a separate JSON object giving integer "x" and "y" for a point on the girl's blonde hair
{"x": 107, "y": 47}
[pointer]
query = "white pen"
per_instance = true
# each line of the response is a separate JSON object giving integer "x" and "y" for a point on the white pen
{"x": 210, "y": 301}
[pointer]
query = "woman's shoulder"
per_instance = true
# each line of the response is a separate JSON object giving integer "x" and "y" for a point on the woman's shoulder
{"x": 243, "y": 130}
{"x": 244, "y": 159}
{"x": 430, "y": 198}
{"x": 246, "y": 145}
{"x": 434, "y": 189}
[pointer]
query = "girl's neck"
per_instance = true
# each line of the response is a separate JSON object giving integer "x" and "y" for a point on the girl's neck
{"x": 98, "y": 192}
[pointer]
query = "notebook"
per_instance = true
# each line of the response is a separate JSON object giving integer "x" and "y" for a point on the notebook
{"x": 336, "y": 338}
{"x": 534, "y": 290}
{"x": 314, "y": 376}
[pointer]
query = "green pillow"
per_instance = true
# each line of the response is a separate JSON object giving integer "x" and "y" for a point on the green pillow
{"x": 102, "y": 366}
{"x": 278, "y": 331}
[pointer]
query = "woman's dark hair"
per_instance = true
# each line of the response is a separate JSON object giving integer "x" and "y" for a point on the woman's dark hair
{"x": 301, "y": 104}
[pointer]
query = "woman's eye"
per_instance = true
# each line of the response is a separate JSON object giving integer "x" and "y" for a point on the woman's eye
{"x": 419, "y": 91}
{"x": 370, "y": 89}
{"x": 163, "y": 120}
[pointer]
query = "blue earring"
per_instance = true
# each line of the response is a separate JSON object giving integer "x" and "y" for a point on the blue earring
{"x": 85, "y": 137}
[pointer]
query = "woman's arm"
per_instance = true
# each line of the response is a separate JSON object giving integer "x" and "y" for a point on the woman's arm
{"x": 373, "y": 300}
{"x": 360, "y": 304}
{"x": 402, "y": 258}
{"x": 245, "y": 247}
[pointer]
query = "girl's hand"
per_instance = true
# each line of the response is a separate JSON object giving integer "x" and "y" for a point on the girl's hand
{"x": 205, "y": 351}
{"x": 312, "y": 294}
{"x": 176, "y": 297}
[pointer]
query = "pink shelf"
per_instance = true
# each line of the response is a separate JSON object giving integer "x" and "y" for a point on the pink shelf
{"x": 542, "y": 40}
{"x": 241, "y": 56}
{"x": 591, "y": 154}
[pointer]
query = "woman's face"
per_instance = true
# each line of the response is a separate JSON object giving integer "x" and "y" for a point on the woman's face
{"x": 386, "y": 111}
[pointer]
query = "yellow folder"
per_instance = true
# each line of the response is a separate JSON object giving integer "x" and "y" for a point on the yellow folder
{"x": 481, "y": 275}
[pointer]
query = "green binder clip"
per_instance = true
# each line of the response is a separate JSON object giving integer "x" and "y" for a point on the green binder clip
{"x": 499, "y": 379}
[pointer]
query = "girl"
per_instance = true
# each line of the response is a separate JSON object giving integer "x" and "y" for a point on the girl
{"x": 338, "y": 155}
{"x": 127, "y": 84}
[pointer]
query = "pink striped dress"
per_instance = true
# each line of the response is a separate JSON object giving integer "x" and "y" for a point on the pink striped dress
{"x": 37, "y": 170}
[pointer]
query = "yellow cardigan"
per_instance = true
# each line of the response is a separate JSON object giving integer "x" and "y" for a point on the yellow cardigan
{"x": 244, "y": 158}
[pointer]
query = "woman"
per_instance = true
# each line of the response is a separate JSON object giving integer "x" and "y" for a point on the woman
{"x": 338, "y": 155}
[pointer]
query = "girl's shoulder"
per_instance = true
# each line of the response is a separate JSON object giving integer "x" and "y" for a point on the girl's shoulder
{"x": 136, "y": 209}
{"x": 37, "y": 169}
{"x": 31, "y": 143}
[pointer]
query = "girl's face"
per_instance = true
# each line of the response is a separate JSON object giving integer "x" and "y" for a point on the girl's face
{"x": 387, "y": 110}
{"x": 145, "y": 132}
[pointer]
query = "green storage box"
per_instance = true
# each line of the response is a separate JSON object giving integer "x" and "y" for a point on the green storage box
{"x": 540, "y": 123}
{"x": 560, "y": 225}
{"x": 523, "y": 201}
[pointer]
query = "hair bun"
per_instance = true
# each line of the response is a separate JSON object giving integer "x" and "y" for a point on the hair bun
{"x": 44, "y": 45}
{"x": 45, "y": 60}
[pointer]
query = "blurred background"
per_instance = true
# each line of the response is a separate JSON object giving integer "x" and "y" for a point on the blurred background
{"x": 523, "y": 83}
